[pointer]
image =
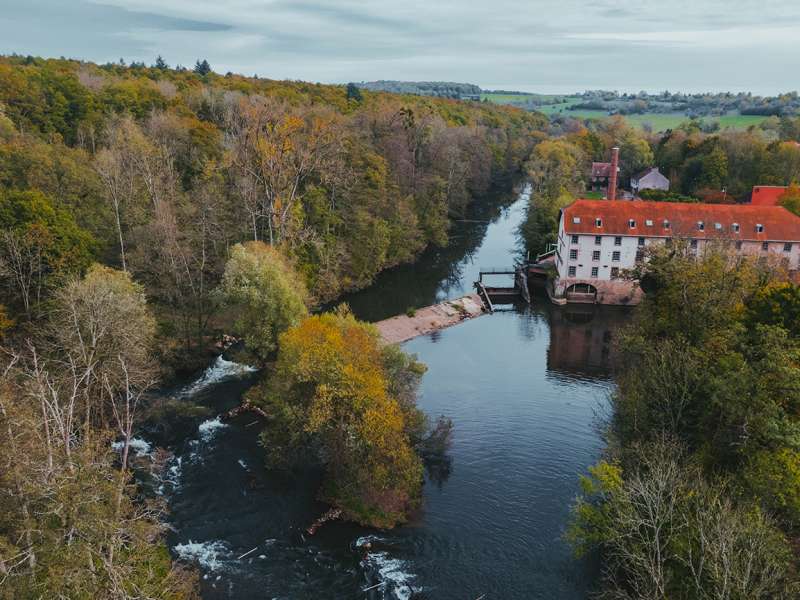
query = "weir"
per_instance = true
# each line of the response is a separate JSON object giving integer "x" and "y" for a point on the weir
{"x": 504, "y": 294}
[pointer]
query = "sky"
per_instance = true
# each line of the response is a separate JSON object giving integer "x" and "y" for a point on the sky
{"x": 549, "y": 46}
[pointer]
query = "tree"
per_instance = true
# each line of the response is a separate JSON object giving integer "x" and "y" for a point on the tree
{"x": 276, "y": 151}
{"x": 202, "y": 68}
{"x": 330, "y": 401}
{"x": 790, "y": 199}
{"x": 266, "y": 293}
{"x": 102, "y": 323}
{"x": 39, "y": 243}
{"x": 162, "y": 65}
{"x": 353, "y": 93}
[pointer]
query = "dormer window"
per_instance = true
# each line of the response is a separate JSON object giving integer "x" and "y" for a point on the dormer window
{"x": 632, "y": 223}
{"x": 735, "y": 228}
{"x": 759, "y": 228}
{"x": 666, "y": 224}
{"x": 576, "y": 220}
{"x": 649, "y": 222}
{"x": 701, "y": 226}
{"x": 717, "y": 226}
{"x": 598, "y": 222}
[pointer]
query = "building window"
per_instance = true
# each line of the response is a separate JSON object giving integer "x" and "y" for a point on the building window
{"x": 765, "y": 245}
{"x": 639, "y": 255}
{"x": 694, "y": 244}
{"x": 614, "y": 272}
{"x": 598, "y": 222}
{"x": 632, "y": 223}
{"x": 735, "y": 228}
{"x": 596, "y": 255}
{"x": 572, "y": 271}
{"x": 739, "y": 245}
{"x": 615, "y": 256}
{"x": 573, "y": 254}
{"x": 701, "y": 226}
{"x": 598, "y": 239}
{"x": 666, "y": 224}
{"x": 668, "y": 242}
{"x": 618, "y": 241}
{"x": 576, "y": 220}
{"x": 641, "y": 241}
{"x": 787, "y": 247}
{"x": 574, "y": 239}
{"x": 649, "y": 222}
{"x": 759, "y": 228}
{"x": 595, "y": 272}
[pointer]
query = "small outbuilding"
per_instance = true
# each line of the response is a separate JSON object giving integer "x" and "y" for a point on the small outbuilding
{"x": 649, "y": 179}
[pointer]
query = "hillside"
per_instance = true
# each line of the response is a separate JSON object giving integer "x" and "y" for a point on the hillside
{"x": 160, "y": 171}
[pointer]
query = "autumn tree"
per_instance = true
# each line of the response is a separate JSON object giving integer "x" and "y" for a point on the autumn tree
{"x": 265, "y": 292}
{"x": 332, "y": 400}
{"x": 275, "y": 151}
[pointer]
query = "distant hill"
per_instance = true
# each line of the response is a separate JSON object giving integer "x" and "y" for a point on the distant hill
{"x": 439, "y": 89}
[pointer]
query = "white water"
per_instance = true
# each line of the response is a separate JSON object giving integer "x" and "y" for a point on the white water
{"x": 209, "y": 428}
{"x": 172, "y": 476}
{"x": 137, "y": 445}
{"x": 219, "y": 370}
{"x": 207, "y": 554}
{"x": 392, "y": 572}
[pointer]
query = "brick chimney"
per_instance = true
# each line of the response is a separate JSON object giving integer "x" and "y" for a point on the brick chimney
{"x": 612, "y": 180}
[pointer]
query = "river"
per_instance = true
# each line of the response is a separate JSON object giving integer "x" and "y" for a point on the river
{"x": 524, "y": 388}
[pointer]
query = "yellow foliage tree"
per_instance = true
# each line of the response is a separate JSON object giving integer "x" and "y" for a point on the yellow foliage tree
{"x": 330, "y": 393}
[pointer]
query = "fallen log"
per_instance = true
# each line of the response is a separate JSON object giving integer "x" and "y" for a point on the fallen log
{"x": 245, "y": 407}
{"x": 331, "y": 515}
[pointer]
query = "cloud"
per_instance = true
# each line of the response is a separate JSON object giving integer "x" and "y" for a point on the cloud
{"x": 523, "y": 44}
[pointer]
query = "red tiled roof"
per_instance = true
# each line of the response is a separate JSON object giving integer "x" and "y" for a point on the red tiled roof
{"x": 767, "y": 195}
{"x": 778, "y": 223}
{"x": 601, "y": 169}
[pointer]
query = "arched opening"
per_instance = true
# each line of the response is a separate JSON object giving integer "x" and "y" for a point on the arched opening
{"x": 581, "y": 292}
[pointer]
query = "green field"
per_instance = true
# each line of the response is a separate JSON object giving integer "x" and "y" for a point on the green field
{"x": 657, "y": 121}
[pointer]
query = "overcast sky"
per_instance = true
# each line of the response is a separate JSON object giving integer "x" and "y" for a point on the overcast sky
{"x": 534, "y": 45}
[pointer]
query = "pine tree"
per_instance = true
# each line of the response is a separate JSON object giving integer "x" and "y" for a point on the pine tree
{"x": 202, "y": 68}
{"x": 161, "y": 63}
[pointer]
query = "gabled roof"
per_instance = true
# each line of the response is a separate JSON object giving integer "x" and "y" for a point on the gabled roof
{"x": 647, "y": 172}
{"x": 778, "y": 224}
{"x": 601, "y": 169}
{"x": 767, "y": 195}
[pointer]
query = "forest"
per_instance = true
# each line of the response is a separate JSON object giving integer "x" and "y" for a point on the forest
{"x": 146, "y": 210}
{"x": 698, "y": 492}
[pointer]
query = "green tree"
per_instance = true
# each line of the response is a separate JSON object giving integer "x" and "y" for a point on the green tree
{"x": 202, "y": 68}
{"x": 353, "y": 93}
{"x": 40, "y": 243}
{"x": 790, "y": 199}
{"x": 266, "y": 294}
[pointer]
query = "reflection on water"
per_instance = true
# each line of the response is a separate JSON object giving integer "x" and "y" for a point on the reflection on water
{"x": 522, "y": 387}
{"x": 582, "y": 339}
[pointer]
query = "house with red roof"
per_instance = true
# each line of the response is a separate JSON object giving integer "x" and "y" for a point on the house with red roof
{"x": 767, "y": 195}
{"x": 599, "y": 239}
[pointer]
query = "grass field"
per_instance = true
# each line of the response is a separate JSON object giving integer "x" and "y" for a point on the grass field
{"x": 657, "y": 121}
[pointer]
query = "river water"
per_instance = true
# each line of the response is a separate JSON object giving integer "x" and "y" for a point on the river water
{"x": 524, "y": 388}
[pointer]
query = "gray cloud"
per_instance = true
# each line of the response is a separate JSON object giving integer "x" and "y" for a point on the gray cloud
{"x": 549, "y": 45}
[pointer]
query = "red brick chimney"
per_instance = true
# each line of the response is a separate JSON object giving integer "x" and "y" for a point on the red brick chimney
{"x": 612, "y": 180}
